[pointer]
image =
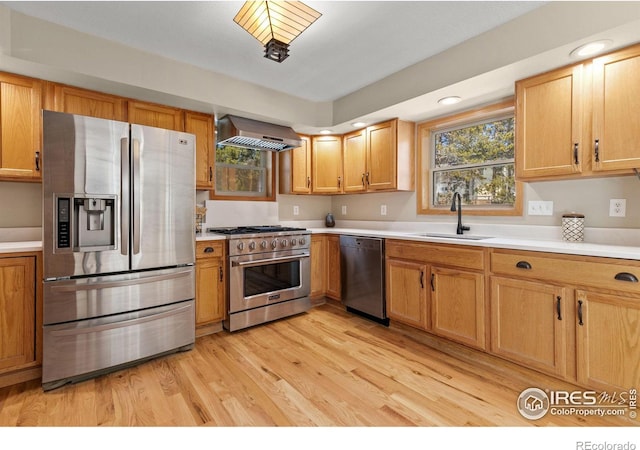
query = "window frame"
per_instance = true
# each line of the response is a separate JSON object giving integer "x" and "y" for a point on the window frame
{"x": 270, "y": 183}
{"x": 425, "y": 150}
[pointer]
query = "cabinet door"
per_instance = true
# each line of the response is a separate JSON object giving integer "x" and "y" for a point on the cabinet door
{"x": 210, "y": 293}
{"x": 17, "y": 312}
{"x": 202, "y": 126}
{"x": 327, "y": 164}
{"x": 616, "y": 107}
{"x": 607, "y": 340}
{"x": 457, "y": 305}
{"x": 154, "y": 115}
{"x": 333, "y": 267}
{"x": 549, "y": 126}
{"x": 301, "y": 168}
{"x": 528, "y": 323}
{"x": 20, "y": 125}
{"x": 74, "y": 100}
{"x": 406, "y": 292}
{"x": 381, "y": 156}
{"x": 355, "y": 162}
{"x": 318, "y": 265}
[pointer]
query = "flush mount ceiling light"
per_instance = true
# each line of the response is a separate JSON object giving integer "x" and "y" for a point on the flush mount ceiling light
{"x": 590, "y": 49}
{"x": 358, "y": 124}
{"x": 326, "y": 132}
{"x": 275, "y": 24}
{"x": 451, "y": 100}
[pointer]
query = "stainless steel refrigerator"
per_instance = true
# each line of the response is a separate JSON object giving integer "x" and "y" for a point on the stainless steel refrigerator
{"x": 118, "y": 245}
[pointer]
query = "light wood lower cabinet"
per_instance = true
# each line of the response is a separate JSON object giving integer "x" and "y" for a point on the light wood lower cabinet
{"x": 607, "y": 340}
{"x": 529, "y": 323}
{"x": 210, "y": 284}
{"x": 333, "y": 267}
{"x": 318, "y": 265}
{"x": 407, "y": 293}
{"x": 439, "y": 288}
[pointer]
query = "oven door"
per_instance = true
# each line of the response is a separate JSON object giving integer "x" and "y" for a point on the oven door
{"x": 268, "y": 278}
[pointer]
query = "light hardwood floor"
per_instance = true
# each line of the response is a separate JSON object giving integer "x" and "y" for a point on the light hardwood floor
{"x": 322, "y": 368}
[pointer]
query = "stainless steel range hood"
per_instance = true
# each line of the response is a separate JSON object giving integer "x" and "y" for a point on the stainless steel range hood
{"x": 249, "y": 133}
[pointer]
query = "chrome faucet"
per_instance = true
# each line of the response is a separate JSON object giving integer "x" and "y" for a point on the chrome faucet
{"x": 461, "y": 228}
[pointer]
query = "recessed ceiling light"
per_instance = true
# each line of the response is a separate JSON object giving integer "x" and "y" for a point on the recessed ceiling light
{"x": 451, "y": 100}
{"x": 590, "y": 49}
{"x": 326, "y": 132}
{"x": 358, "y": 124}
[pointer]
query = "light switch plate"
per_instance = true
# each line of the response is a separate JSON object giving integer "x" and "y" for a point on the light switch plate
{"x": 540, "y": 208}
{"x": 383, "y": 210}
{"x": 296, "y": 210}
{"x": 344, "y": 210}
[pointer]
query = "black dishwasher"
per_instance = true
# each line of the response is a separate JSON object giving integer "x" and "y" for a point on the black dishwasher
{"x": 362, "y": 276}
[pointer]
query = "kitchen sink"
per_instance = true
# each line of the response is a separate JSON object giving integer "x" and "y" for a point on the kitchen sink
{"x": 468, "y": 237}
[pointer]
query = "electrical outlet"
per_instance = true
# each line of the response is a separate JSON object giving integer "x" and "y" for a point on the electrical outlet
{"x": 617, "y": 207}
{"x": 540, "y": 208}
{"x": 296, "y": 210}
{"x": 383, "y": 210}
{"x": 344, "y": 210}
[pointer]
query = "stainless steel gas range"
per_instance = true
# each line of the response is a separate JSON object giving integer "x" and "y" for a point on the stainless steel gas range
{"x": 269, "y": 271}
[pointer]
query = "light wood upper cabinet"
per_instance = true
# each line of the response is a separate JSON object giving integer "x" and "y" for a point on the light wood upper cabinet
{"x": 153, "y": 115}
{"x": 380, "y": 158}
{"x": 295, "y": 169}
{"x": 17, "y": 312}
{"x": 355, "y": 161}
{"x": 72, "y": 100}
{"x": 20, "y": 125}
{"x": 549, "y": 129}
{"x": 529, "y": 323}
{"x": 201, "y": 125}
{"x": 326, "y": 165}
{"x": 616, "y": 108}
{"x": 608, "y": 354}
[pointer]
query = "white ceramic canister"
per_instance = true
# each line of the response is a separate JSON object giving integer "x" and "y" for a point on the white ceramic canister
{"x": 573, "y": 227}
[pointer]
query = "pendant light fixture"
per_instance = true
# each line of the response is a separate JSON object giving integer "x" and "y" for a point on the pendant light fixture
{"x": 275, "y": 24}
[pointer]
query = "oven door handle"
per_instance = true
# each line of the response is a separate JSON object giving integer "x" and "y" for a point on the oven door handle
{"x": 262, "y": 262}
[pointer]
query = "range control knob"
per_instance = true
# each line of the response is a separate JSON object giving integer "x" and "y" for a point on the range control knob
{"x": 302, "y": 241}
{"x": 263, "y": 244}
{"x": 252, "y": 245}
{"x": 274, "y": 243}
{"x": 240, "y": 246}
{"x": 293, "y": 242}
{"x": 283, "y": 243}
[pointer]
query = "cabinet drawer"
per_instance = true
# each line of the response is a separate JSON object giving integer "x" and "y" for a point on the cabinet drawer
{"x": 447, "y": 255}
{"x": 604, "y": 273}
{"x": 209, "y": 249}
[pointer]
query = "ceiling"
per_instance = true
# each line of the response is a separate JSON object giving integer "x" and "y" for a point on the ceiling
{"x": 371, "y": 54}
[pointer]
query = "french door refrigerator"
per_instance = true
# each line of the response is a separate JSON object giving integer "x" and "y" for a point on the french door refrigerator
{"x": 118, "y": 245}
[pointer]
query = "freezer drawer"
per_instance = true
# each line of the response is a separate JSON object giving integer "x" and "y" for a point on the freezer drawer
{"x": 86, "y": 298}
{"x": 80, "y": 350}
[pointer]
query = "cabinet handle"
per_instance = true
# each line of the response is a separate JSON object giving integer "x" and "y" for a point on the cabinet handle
{"x": 210, "y": 173}
{"x": 580, "y": 313}
{"x": 308, "y": 181}
{"x": 626, "y": 276}
{"x": 558, "y": 307}
{"x": 221, "y": 275}
{"x": 363, "y": 179}
{"x": 523, "y": 265}
{"x": 339, "y": 181}
{"x": 576, "y": 161}
{"x": 422, "y": 279}
{"x": 597, "y": 150}
{"x": 433, "y": 286}
{"x": 208, "y": 250}
{"x": 366, "y": 176}
{"x": 38, "y": 161}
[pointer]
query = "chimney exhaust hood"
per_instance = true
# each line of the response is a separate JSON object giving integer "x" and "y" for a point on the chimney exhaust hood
{"x": 249, "y": 133}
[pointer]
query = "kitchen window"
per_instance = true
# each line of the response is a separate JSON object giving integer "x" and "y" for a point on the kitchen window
{"x": 471, "y": 153}
{"x": 244, "y": 174}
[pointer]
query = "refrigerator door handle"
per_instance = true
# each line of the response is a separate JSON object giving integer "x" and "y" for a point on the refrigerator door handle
{"x": 136, "y": 195}
{"x": 121, "y": 283}
{"x": 125, "y": 194}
